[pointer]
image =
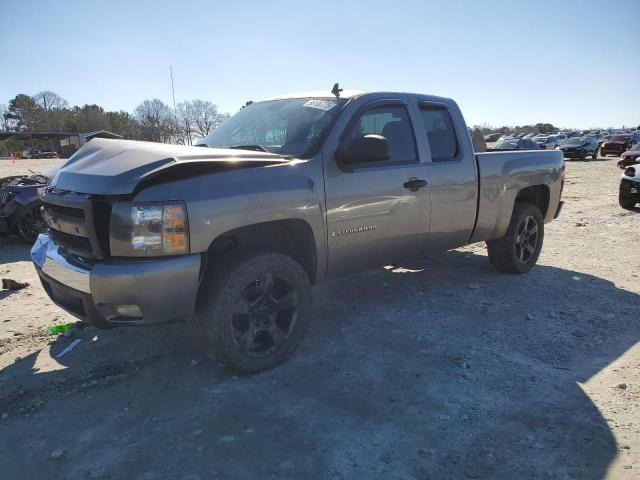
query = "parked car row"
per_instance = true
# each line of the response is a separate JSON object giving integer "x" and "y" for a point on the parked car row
{"x": 35, "y": 153}
{"x": 583, "y": 144}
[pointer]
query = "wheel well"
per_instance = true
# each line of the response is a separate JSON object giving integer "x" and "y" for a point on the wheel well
{"x": 537, "y": 195}
{"x": 290, "y": 237}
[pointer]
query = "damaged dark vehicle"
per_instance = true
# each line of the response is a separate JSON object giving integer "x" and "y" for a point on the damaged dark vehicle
{"x": 20, "y": 206}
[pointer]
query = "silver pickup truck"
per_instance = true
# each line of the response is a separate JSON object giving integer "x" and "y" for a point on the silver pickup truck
{"x": 291, "y": 191}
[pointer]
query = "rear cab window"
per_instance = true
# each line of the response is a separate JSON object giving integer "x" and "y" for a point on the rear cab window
{"x": 441, "y": 135}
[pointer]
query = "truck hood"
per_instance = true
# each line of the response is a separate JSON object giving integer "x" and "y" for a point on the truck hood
{"x": 115, "y": 167}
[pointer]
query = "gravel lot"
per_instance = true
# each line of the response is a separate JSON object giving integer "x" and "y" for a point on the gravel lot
{"x": 449, "y": 370}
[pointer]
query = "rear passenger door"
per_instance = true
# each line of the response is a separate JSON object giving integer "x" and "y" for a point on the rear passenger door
{"x": 451, "y": 173}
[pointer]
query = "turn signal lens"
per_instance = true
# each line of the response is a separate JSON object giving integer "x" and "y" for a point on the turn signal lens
{"x": 174, "y": 231}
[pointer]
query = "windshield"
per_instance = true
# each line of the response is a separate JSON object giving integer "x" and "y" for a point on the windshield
{"x": 575, "y": 141}
{"x": 506, "y": 144}
{"x": 635, "y": 147}
{"x": 620, "y": 138}
{"x": 287, "y": 127}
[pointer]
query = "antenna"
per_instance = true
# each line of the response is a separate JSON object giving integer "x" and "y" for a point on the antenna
{"x": 173, "y": 93}
{"x": 336, "y": 90}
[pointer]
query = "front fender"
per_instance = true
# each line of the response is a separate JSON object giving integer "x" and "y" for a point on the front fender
{"x": 221, "y": 202}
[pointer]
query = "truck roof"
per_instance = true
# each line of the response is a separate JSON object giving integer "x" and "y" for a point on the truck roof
{"x": 350, "y": 93}
{"x": 319, "y": 94}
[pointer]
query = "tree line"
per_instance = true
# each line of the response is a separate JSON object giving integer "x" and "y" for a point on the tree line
{"x": 151, "y": 120}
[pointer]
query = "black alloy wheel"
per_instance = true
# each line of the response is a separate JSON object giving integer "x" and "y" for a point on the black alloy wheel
{"x": 264, "y": 315}
{"x": 518, "y": 249}
{"x": 31, "y": 224}
{"x": 527, "y": 239}
{"x": 254, "y": 309}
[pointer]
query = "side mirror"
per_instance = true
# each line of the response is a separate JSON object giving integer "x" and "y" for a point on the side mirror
{"x": 366, "y": 149}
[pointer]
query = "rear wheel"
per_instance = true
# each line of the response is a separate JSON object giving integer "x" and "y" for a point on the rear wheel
{"x": 518, "y": 250}
{"x": 254, "y": 310}
{"x": 594, "y": 156}
{"x": 30, "y": 224}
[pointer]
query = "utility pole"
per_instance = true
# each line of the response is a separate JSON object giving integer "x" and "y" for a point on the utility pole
{"x": 46, "y": 112}
{"x": 173, "y": 93}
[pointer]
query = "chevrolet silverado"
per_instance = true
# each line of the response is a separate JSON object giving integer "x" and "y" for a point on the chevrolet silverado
{"x": 292, "y": 191}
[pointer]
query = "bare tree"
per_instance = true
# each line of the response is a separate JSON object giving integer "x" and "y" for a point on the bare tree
{"x": 198, "y": 118}
{"x": 156, "y": 121}
{"x": 50, "y": 102}
{"x": 4, "y": 120}
{"x": 184, "y": 114}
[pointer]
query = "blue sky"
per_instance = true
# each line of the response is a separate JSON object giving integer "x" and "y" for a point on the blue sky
{"x": 571, "y": 63}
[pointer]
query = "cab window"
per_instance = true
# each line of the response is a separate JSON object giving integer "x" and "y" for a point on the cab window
{"x": 392, "y": 122}
{"x": 440, "y": 133}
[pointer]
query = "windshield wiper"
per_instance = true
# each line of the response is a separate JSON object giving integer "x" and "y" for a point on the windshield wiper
{"x": 256, "y": 148}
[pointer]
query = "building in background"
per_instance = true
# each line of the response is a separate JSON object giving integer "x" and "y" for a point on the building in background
{"x": 47, "y": 144}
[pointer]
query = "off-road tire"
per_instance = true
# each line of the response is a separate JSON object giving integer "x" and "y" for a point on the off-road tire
{"x": 502, "y": 251}
{"x": 30, "y": 224}
{"x": 222, "y": 287}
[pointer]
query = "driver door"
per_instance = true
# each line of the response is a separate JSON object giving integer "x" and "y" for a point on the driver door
{"x": 375, "y": 214}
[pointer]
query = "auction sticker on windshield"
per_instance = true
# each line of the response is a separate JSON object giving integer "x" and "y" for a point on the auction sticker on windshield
{"x": 325, "y": 105}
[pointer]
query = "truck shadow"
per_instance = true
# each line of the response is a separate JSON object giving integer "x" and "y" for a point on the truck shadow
{"x": 450, "y": 370}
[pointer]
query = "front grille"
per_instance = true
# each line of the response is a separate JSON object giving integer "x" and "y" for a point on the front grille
{"x": 69, "y": 212}
{"x": 76, "y": 223}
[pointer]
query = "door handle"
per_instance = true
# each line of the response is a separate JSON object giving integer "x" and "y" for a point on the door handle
{"x": 414, "y": 184}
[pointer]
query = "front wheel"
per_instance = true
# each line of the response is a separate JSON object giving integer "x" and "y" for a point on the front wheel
{"x": 625, "y": 199}
{"x": 30, "y": 225}
{"x": 595, "y": 155}
{"x": 518, "y": 250}
{"x": 255, "y": 310}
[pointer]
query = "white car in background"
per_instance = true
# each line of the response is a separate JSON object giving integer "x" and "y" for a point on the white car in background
{"x": 549, "y": 142}
{"x": 629, "y": 193}
{"x": 561, "y": 138}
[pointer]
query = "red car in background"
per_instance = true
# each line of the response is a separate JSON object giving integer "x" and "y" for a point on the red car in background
{"x": 617, "y": 145}
{"x": 631, "y": 156}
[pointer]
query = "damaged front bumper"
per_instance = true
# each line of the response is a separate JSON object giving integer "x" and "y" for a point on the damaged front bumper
{"x": 119, "y": 291}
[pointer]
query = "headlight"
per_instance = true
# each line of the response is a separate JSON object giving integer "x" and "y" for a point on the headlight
{"x": 630, "y": 172}
{"x": 149, "y": 229}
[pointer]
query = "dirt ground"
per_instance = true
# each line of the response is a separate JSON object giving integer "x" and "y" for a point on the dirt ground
{"x": 446, "y": 372}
